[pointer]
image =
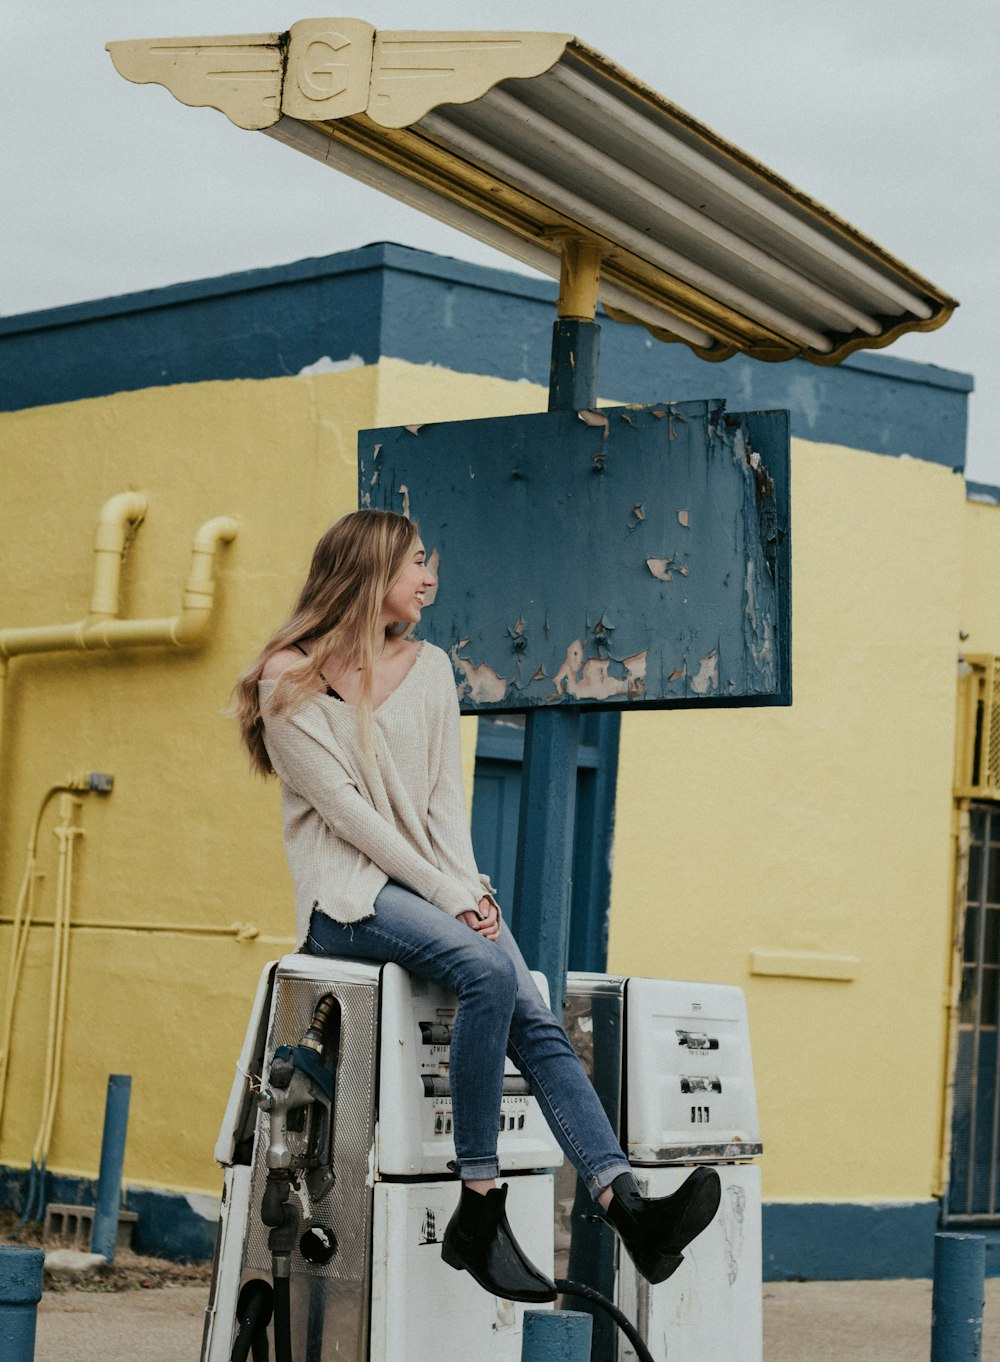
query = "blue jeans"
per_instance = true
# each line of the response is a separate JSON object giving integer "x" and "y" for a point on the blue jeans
{"x": 499, "y": 1009}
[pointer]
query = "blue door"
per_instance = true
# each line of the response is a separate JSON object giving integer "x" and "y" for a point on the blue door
{"x": 496, "y": 802}
{"x": 496, "y": 809}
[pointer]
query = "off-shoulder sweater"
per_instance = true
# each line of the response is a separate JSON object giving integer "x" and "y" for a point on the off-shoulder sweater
{"x": 351, "y": 824}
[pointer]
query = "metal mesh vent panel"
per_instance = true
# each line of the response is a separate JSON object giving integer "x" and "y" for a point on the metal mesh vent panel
{"x": 346, "y": 1209}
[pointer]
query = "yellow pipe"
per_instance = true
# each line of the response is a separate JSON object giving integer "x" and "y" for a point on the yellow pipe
{"x": 122, "y": 513}
{"x": 57, "y": 943}
{"x": 22, "y": 922}
{"x": 102, "y": 629}
{"x": 67, "y": 835}
{"x": 66, "y": 805}
{"x": 579, "y": 278}
{"x": 240, "y": 931}
{"x": 105, "y": 630}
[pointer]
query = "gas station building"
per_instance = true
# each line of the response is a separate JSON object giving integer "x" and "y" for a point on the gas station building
{"x": 819, "y": 856}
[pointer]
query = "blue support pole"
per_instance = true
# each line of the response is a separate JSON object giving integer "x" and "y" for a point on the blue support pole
{"x": 556, "y": 1336}
{"x": 573, "y": 370}
{"x": 959, "y": 1297}
{"x": 543, "y": 879}
{"x": 21, "y": 1277}
{"x": 104, "y": 1239}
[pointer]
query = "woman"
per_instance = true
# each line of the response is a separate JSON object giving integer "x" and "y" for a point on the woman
{"x": 360, "y": 724}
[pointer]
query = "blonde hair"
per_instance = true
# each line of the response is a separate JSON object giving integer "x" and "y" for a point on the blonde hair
{"x": 353, "y": 568}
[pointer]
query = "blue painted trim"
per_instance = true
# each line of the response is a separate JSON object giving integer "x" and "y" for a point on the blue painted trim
{"x": 909, "y": 371}
{"x": 389, "y": 300}
{"x": 813, "y": 1241}
{"x": 168, "y": 1226}
{"x": 848, "y": 1241}
{"x": 982, "y": 492}
{"x": 406, "y": 260}
{"x": 381, "y": 254}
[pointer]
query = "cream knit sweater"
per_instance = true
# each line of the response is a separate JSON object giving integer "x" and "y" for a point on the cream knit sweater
{"x": 351, "y": 824}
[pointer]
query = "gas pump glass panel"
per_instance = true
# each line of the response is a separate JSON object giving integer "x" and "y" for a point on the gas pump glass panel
{"x": 619, "y": 558}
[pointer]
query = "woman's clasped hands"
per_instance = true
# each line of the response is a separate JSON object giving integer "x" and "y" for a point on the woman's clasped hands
{"x": 485, "y": 919}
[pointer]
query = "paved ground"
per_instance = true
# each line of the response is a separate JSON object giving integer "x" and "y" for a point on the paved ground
{"x": 162, "y": 1325}
{"x": 859, "y": 1321}
{"x": 803, "y": 1322}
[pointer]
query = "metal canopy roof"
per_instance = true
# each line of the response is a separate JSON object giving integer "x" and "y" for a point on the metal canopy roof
{"x": 525, "y": 140}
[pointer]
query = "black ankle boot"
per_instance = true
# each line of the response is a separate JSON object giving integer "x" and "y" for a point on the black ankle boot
{"x": 656, "y": 1229}
{"x": 479, "y": 1238}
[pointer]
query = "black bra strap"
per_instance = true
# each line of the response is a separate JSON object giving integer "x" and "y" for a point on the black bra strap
{"x": 329, "y": 690}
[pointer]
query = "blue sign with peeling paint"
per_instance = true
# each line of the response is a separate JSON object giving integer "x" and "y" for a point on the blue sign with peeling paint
{"x": 617, "y": 558}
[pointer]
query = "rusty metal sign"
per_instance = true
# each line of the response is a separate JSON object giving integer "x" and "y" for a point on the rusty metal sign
{"x": 617, "y": 558}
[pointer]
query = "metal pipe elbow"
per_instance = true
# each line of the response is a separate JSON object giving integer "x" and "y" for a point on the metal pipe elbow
{"x": 199, "y": 590}
{"x": 124, "y": 509}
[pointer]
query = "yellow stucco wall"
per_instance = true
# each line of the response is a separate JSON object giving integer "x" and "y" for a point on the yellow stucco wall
{"x": 821, "y": 828}
{"x": 980, "y": 594}
{"x": 187, "y": 837}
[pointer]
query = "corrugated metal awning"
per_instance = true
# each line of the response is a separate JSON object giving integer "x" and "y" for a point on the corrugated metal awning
{"x": 526, "y": 139}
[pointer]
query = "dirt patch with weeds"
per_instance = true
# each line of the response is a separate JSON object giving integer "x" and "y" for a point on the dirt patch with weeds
{"x": 129, "y": 1272}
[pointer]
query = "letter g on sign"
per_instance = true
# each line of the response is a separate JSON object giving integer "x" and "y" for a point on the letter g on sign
{"x": 329, "y": 69}
{"x": 325, "y": 67}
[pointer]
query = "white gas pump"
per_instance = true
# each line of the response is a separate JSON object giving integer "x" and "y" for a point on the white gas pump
{"x": 671, "y": 1063}
{"x": 338, "y": 1133}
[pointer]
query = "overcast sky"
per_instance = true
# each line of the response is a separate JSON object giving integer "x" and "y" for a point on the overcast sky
{"x": 887, "y": 111}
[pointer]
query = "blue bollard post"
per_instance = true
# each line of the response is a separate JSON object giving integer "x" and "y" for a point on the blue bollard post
{"x": 21, "y": 1273}
{"x": 556, "y": 1336}
{"x": 958, "y": 1299}
{"x": 104, "y": 1239}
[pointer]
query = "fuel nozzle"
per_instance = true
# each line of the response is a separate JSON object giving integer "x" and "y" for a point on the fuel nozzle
{"x": 299, "y": 1098}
